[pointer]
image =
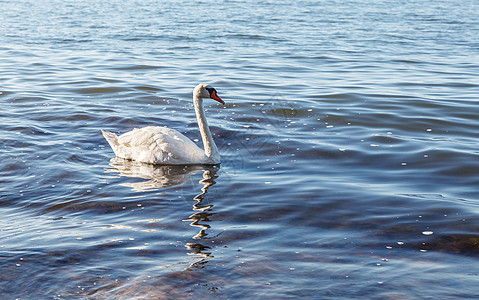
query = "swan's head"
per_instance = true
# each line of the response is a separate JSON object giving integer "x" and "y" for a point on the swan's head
{"x": 206, "y": 91}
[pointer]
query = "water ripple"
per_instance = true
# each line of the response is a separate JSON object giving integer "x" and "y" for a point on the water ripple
{"x": 348, "y": 142}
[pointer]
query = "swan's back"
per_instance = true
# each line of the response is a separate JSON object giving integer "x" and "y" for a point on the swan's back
{"x": 155, "y": 145}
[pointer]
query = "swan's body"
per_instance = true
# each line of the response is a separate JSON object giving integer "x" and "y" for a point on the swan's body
{"x": 162, "y": 145}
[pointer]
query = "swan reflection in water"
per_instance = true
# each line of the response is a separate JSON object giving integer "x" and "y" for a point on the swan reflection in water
{"x": 162, "y": 176}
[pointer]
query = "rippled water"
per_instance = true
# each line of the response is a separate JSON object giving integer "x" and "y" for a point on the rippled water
{"x": 349, "y": 149}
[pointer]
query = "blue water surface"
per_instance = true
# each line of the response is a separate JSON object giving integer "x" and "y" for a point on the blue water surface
{"x": 350, "y": 160}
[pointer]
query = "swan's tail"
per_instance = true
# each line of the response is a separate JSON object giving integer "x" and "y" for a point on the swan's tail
{"x": 111, "y": 138}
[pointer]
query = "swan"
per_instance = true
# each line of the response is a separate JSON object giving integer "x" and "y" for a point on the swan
{"x": 165, "y": 146}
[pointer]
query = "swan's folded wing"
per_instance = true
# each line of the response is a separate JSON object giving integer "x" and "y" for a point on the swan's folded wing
{"x": 157, "y": 145}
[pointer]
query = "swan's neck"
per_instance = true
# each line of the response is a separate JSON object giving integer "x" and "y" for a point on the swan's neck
{"x": 211, "y": 151}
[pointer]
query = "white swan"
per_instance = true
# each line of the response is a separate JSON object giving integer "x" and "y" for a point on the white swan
{"x": 161, "y": 145}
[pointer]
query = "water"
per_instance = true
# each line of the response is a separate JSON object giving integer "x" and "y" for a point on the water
{"x": 349, "y": 150}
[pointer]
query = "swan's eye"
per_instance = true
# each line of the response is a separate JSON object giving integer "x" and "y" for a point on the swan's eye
{"x": 210, "y": 90}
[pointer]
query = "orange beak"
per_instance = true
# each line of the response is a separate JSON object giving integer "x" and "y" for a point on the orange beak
{"x": 215, "y": 96}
